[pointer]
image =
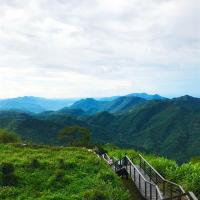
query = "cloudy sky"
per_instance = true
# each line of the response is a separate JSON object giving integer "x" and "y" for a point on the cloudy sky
{"x": 82, "y": 48}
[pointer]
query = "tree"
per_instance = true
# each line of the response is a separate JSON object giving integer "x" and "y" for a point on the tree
{"x": 8, "y": 136}
{"x": 75, "y": 136}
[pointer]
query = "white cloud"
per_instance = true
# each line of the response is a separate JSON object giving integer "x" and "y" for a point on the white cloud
{"x": 72, "y": 48}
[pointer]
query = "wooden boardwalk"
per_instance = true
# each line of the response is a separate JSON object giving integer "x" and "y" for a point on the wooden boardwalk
{"x": 151, "y": 185}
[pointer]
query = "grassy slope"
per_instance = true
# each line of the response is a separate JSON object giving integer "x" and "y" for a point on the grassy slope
{"x": 85, "y": 176}
{"x": 187, "y": 174}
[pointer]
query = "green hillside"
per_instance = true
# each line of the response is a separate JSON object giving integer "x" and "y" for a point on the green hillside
{"x": 57, "y": 173}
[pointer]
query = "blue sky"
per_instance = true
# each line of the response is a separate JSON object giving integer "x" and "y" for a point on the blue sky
{"x": 81, "y": 48}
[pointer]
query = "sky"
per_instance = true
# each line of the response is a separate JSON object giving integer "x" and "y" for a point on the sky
{"x": 96, "y": 48}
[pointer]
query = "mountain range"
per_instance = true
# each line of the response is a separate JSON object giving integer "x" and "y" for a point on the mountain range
{"x": 34, "y": 104}
{"x": 38, "y": 104}
{"x": 168, "y": 127}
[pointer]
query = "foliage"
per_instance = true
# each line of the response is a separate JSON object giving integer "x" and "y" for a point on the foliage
{"x": 8, "y": 176}
{"x": 7, "y": 168}
{"x": 34, "y": 163}
{"x": 8, "y": 137}
{"x": 61, "y": 164}
{"x": 75, "y": 135}
{"x": 66, "y": 173}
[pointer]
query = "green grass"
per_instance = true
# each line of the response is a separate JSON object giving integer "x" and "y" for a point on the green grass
{"x": 186, "y": 175}
{"x": 83, "y": 175}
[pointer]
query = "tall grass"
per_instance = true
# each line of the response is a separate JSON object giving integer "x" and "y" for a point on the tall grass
{"x": 59, "y": 173}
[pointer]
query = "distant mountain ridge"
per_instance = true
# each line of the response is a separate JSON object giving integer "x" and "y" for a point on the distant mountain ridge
{"x": 147, "y": 96}
{"x": 141, "y": 95}
{"x": 120, "y": 104}
{"x": 34, "y": 104}
{"x": 38, "y": 104}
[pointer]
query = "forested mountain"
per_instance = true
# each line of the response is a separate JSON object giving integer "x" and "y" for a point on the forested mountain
{"x": 170, "y": 127}
{"x": 44, "y": 127}
{"x": 120, "y": 104}
{"x": 167, "y": 127}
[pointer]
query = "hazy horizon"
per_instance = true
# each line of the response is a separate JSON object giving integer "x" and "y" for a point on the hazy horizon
{"x": 72, "y": 49}
{"x": 95, "y": 97}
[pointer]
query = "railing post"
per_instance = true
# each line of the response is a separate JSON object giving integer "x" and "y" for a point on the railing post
{"x": 140, "y": 162}
{"x": 139, "y": 182}
{"x": 163, "y": 187}
{"x": 171, "y": 194}
{"x": 150, "y": 174}
{"x": 130, "y": 168}
{"x": 134, "y": 175}
{"x": 145, "y": 189}
{"x": 156, "y": 194}
{"x": 150, "y": 191}
{"x": 156, "y": 179}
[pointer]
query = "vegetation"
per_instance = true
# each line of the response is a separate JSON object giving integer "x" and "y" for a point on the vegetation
{"x": 75, "y": 136}
{"x": 44, "y": 172}
{"x": 8, "y": 137}
{"x": 8, "y": 176}
{"x": 186, "y": 175}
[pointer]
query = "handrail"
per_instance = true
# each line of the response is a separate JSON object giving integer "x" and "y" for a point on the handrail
{"x": 160, "y": 174}
{"x": 189, "y": 194}
{"x": 139, "y": 172}
{"x": 141, "y": 175}
{"x": 151, "y": 166}
{"x": 180, "y": 190}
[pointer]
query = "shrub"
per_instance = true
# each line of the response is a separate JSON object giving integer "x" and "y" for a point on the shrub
{"x": 59, "y": 174}
{"x": 34, "y": 164}
{"x": 61, "y": 164}
{"x": 106, "y": 177}
{"x": 9, "y": 180}
{"x": 95, "y": 195}
{"x": 8, "y": 176}
{"x": 70, "y": 165}
{"x": 59, "y": 180}
{"x": 7, "y": 168}
{"x": 8, "y": 137}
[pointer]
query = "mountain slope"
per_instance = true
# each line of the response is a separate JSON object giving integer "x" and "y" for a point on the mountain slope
{"x": 121, "y": 104}
{"x": 44, "y": 127}
{"x": 170, "y": 128}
